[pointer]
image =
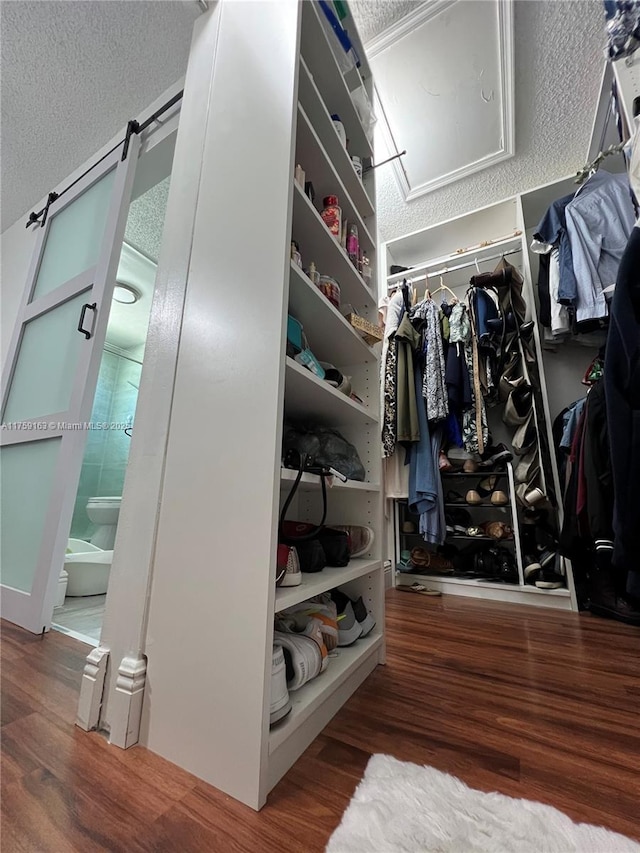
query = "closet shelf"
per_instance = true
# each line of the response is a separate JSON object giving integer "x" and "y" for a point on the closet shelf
{"x": 323, "y": 67}
{"x": 318, "y": 245}
{"x": 319, "y": 169}
{"x": 331, "y": 337}
{"x": 320, "y": 118}
{"x": 455, "y": 258}
{"x": 319, "y": 582}
{"x": 479, "y": 475}
{"x": 483, "y": 584}
{"x": 465, "y": 505}
{"x": 306, "y": 396}
{"x": 311, "y": 482}
{"x": 308, "y": 699}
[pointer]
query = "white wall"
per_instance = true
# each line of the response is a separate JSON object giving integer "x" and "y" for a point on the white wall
{"x": 558, "y": 66}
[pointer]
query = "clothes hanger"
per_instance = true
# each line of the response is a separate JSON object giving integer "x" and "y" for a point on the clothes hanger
{"x": 443, "y": 286}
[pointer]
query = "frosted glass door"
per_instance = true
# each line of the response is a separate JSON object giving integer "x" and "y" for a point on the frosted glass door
{"x": 50, "y": 380}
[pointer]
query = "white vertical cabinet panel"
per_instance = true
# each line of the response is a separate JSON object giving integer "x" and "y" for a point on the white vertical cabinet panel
{"x": 212, "y": 596}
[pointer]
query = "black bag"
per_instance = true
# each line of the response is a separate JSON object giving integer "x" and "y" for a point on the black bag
{"x": 322, "y": 448}
{"x": 317, "y": 545}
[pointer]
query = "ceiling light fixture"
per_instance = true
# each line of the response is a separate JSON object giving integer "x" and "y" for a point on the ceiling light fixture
{"x": 125, "y": 293}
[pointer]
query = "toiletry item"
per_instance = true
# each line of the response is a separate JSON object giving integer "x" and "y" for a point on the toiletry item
{"x": 342, "y": 133}
{"x": 353, "y": 244}
{"x": 331, "y": 289}
{"x": 357, "y": 165}
{"x": 309, "y": 191}
{"x": 343, "y": 235}
{"x": 332, "y": 215}
{"x": 307, "y": 359}
{"x": 313, "y": 274}
{"x": 296, "y": 257}
{"x": 366, "y": 270}
{"x": 299, "y": 176}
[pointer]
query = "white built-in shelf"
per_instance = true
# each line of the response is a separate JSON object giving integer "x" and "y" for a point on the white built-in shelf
{"x": 483, "y": 584}
{"x": 311, "y": 482}
{"x": 316, "y": 52}
{"x": 319, "y": 169}
{"x": 317, "y": 244}
{"x": 319, "y": 582}
{"x": 306, "y": 396}
{"x": 311, "y": 696}
{"x": 330, "y": 336}
{"x": 318, "y": 115}
{"x": 512, "y": 242}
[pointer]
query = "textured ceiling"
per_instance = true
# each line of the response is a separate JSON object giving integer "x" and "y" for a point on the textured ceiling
{"x": 558, "y": 67}
{"x": 146, "y": 220}
{"x": 373, "y": 17}
{"x": 73, "y": 73}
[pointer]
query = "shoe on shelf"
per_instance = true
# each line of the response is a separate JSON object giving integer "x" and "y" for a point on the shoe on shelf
{"x": 488, "y": 488}
{"x": 549, "y": 579}
{"x": 288, "y": 567}
{"x": 470, "y": 466}
{"x": 364, "y": 619}
{"x": 473, "y": 498}
{"x": 360, "y": 536}
{"x": 453, "y": 497}
{"x": 495, "y": 455}
{"x": 444, "y": 463}
{"x": 302, "y": 657}
{"x": 300, "y": 624}
{"x": 349, "y": 629}
{"x": 321, "y": 608}
{"x": 280, "y": 702}
{"x": 499, "y": 498}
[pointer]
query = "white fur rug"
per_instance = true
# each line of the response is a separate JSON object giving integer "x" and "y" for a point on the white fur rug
{"x": 404, "y": 808}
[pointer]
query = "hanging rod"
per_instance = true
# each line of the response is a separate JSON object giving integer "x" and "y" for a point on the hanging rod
{"x": 132, "y": 127}
{"x": 478, "y": 247}
{"x": 445, "y": 270}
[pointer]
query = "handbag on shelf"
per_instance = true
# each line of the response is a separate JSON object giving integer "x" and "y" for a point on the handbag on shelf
{"x": 323, "y": 449}
{"x": 317, "y": 546}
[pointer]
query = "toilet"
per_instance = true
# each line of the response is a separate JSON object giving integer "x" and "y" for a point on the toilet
{"x": 86, "y": 568}
{"x": 104, "y": 511}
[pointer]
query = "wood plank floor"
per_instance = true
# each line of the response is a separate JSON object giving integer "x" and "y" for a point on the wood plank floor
{"x": 533, "y": 703}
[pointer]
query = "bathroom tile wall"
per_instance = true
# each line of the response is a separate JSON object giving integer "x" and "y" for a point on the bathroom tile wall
{"x": 107, "y": 451}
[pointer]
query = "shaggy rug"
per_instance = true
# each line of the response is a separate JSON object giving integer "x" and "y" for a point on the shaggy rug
{"x": 403, "y": 808}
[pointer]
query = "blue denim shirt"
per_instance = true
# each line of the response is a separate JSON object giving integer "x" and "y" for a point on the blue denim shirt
{"x": 553, "y": 230}
{"x": 599, "y": 222}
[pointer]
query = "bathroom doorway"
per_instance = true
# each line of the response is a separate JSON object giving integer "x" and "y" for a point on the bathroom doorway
{"x": 80, "y": 602}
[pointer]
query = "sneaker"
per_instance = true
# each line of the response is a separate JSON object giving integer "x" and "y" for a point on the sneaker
{"x": 364, "y": 619}
{"x": 280, "y": 702}
{"x": 288, "y": 567}
{"x": 360, "y": 538}
{"x": 324, "y": 610}
{"x": 496, "y": 454}
{"x": 348, "y": 626}
{"x": 306, "y": 626}
{"x": 302, "y": 658}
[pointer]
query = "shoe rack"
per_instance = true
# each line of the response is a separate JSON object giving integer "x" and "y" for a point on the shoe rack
{"x": 461, "y": 247}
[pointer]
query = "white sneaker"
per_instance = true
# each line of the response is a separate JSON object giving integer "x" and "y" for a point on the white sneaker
{"x": 280, "y": 702}
{"x": 303, "y": 658}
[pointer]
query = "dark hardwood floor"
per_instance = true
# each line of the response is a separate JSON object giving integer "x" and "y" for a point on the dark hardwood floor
{"x": 529, "y": 702}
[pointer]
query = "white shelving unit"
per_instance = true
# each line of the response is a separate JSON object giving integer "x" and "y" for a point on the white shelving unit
{"x": 480, "y": 236}
{"x": 207, "y": 701}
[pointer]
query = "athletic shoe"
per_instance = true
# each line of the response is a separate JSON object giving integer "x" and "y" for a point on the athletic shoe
{"x": 360, "y": 538}
{"x": 321, "y": 608}
{"x": 280, "y": 702}
{"x": 304, "y": 625}
{"x": 348, "y": 626}
{"x": 302, "y": 658}
{"x": 364, "y": 619}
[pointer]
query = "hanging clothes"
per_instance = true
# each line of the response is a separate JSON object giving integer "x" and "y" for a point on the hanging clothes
{"x": 407, "y": 424}
{"x": 424, "y": 474}
{"x": 457, "y": 374}
{"x": 394, "y": 312}
{"x": 599, "y": 223}
{"x": 434, "y": 384}
{"x": 622, "y": 383}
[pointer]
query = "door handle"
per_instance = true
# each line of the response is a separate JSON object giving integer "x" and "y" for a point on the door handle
{"x": 86, "y": 305}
